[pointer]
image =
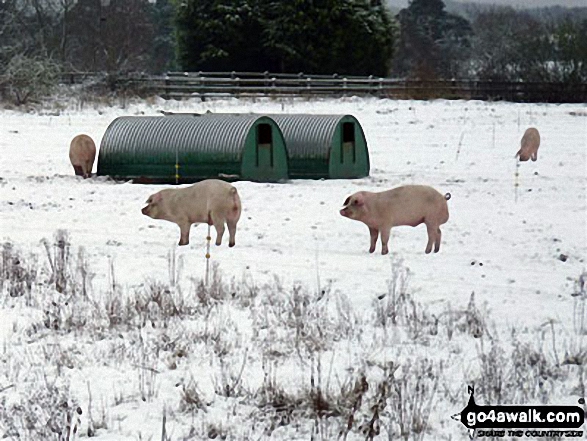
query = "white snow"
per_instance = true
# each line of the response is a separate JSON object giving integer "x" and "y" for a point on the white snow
{"x": 504, "y": 250}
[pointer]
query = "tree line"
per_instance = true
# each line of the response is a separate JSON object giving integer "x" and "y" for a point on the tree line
{"x": 348, "y": 37}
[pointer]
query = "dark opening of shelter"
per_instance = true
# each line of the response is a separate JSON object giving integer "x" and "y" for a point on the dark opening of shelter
{"x": 264, "y": 144}
{"x": 348, "y": 143}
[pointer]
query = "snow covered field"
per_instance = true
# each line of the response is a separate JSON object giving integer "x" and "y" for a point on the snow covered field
{"x": 521, "y": 256}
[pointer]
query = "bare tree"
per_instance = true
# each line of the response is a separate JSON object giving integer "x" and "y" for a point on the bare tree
{"x": 110, "y": 36}
{"x": 66, "y": 7}
{"x": 30, "y": 27}
{"x": 510, "y": 45}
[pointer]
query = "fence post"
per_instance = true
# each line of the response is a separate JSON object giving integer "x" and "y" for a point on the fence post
{"x": 166, "y": 87}
{"x": 202, "y": 85}
{"x": 266, "y": 76}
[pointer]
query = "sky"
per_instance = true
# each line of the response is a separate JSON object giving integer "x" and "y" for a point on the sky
{"x": 514, "y": 3}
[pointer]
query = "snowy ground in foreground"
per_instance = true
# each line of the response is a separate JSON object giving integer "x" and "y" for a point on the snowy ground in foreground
{"x": 505, "y": 251}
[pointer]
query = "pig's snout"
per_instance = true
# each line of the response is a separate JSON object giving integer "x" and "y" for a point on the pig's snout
{"x": 145, "y": 210}
{"x": 344, "y": 212}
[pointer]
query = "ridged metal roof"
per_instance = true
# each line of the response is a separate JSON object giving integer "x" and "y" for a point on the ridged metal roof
{"x": 308, "y": 136}
{"x": 156, "y": 137}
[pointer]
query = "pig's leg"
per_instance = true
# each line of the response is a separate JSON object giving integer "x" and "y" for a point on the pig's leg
{"x": 219, "y": 233}
{"x": 437, "y": 241}
{"x": 231, "y": 232}
{"x": 78, "y": 170}
{"x": 218, "y": 223}
{"x": 431, "y": 237}
{"x": 88, "y": 170}
{"x": 184, "y": 229}
{"x": 534, "y": 156}
{"x": 374, "y": 235}
{"x": 385, "y": 232}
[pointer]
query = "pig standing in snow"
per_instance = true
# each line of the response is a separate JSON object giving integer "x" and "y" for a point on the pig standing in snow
{"x": 407, "y": 205}
{"x": 212, "y": 201}
{"x": 82, "y": 152}
{"x": 529, "y": 145}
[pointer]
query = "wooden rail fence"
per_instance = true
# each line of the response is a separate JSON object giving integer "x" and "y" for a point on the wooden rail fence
{"x": 179, "y": 85}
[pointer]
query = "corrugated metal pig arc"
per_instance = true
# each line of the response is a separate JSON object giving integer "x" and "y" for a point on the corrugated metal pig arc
{"x": 147, "y": 148}
{"x": 316, "y": 146}
{"x": 307, "y": 136}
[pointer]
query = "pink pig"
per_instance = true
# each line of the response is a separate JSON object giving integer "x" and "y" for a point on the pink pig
{"x": 211, "y": 201}
{"x": 529, "y": 145}
{"x": 408, "y": 205}
{"x": 82, "y": 152}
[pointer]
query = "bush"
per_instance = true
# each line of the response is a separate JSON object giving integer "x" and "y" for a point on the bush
{"x": 27, "y": 79}
{"x": 44, "y": 411}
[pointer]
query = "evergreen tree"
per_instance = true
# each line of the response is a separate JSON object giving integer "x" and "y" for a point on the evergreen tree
{"x": 217, "y": 35}
{"x": 345, "y": 37}
{"x": 432, "y": 42}
{"x": 326, "y": 36}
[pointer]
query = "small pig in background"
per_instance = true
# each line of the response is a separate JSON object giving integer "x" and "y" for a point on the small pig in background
{"x": 408, "y": 205}
{"x": 529, "y": 145}
{"x": 82, "y": 152}
{"x": 211, "y": 201}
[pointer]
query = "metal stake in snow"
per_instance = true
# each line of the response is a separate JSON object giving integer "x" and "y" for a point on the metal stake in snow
{"x": 176, "y": 167}
{"x": 208, "y": 238}
{"x": 459, "y": 146}
{"x": 516, "y": 179}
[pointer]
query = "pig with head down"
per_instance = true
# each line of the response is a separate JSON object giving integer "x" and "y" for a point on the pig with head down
{"x": 529, "y": 145}
{"x": 407, "y": 205}
{"x": 82, "y": 152}
{"x": 211, "y": 201}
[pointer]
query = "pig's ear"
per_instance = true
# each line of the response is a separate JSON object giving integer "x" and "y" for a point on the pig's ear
{"x": 347, "y": 201}
{"x": 155, "y": 198}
